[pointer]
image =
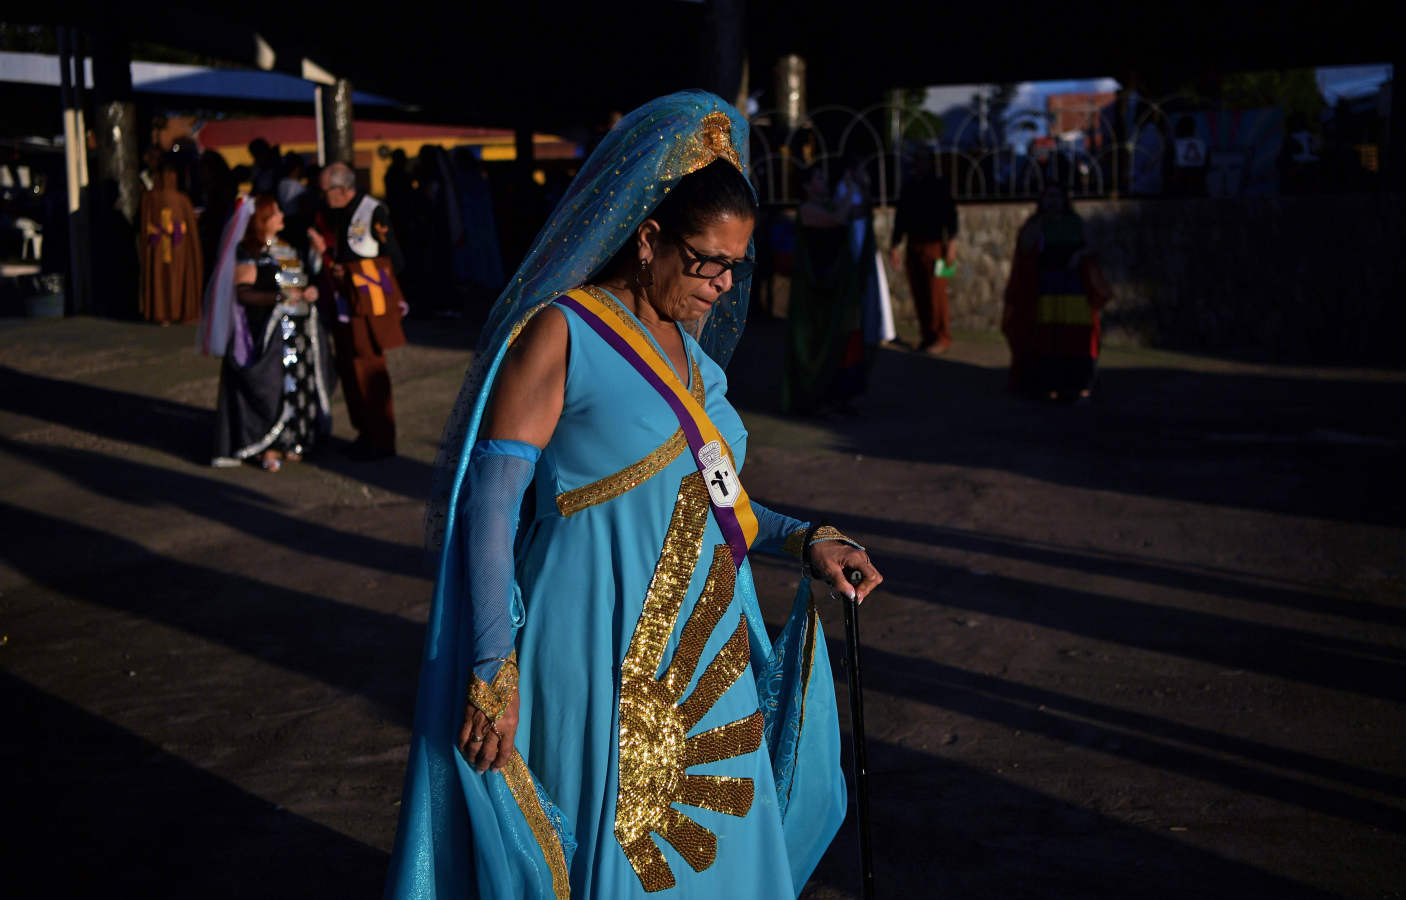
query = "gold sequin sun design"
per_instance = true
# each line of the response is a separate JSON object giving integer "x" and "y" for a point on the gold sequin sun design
{"x": 655, "y": 717}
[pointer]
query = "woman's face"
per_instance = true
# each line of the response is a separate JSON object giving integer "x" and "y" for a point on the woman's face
{"x": 680, "y": 297}
{"x": 273, "y": 224}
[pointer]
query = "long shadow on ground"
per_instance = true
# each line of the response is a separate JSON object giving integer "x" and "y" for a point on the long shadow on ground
{"x": 1368, "y": 669}
{"x": 1023, "y": 844}
{"x": 182, "y": 430}
{"x": 325, "y": 639}
{"x": 302, "y": 632}
{"x": 1198, "y": 579}
{"x": 1142, "y": 738}
{"x": 96, "y": 811}
{"x": 229, "y": 504}
{"x": 1326, "y": 447}
{"x": 922, "y": 836}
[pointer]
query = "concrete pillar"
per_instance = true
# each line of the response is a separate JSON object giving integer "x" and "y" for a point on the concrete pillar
{"x": 335, "y": 133}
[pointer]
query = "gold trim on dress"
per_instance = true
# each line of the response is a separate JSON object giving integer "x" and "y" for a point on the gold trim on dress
{"x": 524, "y": 790}
{"x": 654, "y": 746}
{"x": 813, "y": 629}
{"x": 632, "y": 476}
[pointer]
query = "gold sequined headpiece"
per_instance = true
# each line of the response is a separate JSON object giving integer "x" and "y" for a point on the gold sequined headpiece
{"x": 694, "y": 150}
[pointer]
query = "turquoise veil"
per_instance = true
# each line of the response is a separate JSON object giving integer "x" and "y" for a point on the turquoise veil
{"x": 629, "y": 174}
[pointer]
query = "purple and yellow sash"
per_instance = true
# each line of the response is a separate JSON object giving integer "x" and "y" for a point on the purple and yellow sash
{"x": 374, "y": 283}
{"x": 738, "y": 522}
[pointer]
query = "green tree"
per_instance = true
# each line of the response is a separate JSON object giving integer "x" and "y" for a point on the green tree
{"x": 27, "y": 39}
{"x": 919, "y": 124}
{"x": 1293, "y": 90}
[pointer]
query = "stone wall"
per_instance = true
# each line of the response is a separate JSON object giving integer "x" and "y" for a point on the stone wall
{"x": 1291, "y": 278}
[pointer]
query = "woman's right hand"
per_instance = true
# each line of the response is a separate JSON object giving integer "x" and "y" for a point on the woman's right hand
{"x": 494, "y": 746}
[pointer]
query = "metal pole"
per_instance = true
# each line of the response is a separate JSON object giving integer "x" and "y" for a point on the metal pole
{"x": 321, "y": 133}
{"x": 896, "y": 139}
{"x": 789, "y": 76}
{"x": 337, "y": 122}
{"x": 856, "y": 724}
{"x": 75, "y": 149}
{"x": 115, "y": 196}
{"x": 116, "y": 121}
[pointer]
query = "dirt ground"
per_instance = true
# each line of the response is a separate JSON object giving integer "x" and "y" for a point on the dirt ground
{"x": 1150, "y": 647}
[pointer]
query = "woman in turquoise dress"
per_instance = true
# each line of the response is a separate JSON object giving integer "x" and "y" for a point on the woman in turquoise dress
{"x": 601, "y": 710}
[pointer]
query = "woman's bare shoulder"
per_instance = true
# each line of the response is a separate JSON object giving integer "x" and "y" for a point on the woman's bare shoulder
{"x": 543, "y": 333}
{"x": 528, "y": 395}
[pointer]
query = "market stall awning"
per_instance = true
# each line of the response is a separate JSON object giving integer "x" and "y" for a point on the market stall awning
{"x": 188, "y": 83}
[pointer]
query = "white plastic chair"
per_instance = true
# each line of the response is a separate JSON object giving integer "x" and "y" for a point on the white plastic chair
{"x": 32, "y": 238}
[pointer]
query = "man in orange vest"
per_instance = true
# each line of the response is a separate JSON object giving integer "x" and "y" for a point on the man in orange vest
{"x": 360, "y": 259}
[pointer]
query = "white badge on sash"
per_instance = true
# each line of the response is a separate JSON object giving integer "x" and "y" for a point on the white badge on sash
{"x": 723, "y": 486}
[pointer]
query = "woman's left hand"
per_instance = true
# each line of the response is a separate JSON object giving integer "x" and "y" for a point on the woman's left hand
{"x": 487, "y": 744}
{"x": 830, "y": 559}
{"x": 310, "y": 293}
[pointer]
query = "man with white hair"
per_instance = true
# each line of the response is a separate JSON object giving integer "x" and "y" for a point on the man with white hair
{"x": 359, "y": 251}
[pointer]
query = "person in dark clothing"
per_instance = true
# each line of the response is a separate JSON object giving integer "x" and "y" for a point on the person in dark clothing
{"x": 264, "y": 172}
{"x": 927, "y": 218}
{"x": 443, "y": 233}
{"x": 219, "y": 189}
{"x": 299, "y": 205}
{"x": 353, "y": 235}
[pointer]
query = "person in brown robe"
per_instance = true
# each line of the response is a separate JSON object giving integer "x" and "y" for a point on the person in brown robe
{"x": 361, "y": 256}
{"x": 172, "y": 268}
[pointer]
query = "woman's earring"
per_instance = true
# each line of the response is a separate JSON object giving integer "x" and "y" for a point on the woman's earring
{"x": 646, "y": 274}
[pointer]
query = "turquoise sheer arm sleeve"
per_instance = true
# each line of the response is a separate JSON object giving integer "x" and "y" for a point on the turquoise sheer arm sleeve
{"x": 498, "y": 475}
{"x": 777, "y": 533}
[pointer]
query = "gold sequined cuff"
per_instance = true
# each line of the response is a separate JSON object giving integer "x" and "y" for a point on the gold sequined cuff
{"x": 493, "y": 697}
{"x": 831, "y": 533}
{"x": 795, "y": 543}
{"x": 815, "y": 535}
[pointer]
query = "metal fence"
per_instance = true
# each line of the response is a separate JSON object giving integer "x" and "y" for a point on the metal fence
{"x": 1127, "y": 146}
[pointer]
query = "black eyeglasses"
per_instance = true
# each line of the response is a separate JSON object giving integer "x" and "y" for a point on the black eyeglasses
{"x": 702, "y": 266}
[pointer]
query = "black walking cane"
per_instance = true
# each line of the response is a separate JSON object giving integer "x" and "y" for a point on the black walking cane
{"x": 856, "y": 727}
